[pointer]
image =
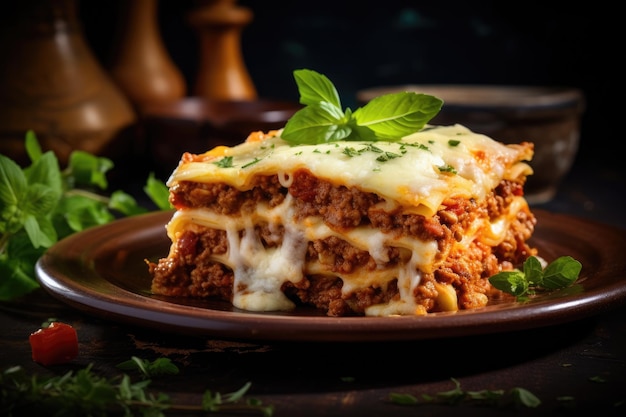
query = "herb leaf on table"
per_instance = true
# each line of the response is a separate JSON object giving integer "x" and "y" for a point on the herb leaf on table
{"x": 83, "y": 392}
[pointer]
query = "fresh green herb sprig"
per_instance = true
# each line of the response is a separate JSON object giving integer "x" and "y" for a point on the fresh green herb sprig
{"x": 85, "y": 393}
{"x": 149, "y": 369}
{"x": 42, "y": 204}
{"x": 385, "y": 118}
{"x": 500, "y": 398}
{"x": 533, "y": 278}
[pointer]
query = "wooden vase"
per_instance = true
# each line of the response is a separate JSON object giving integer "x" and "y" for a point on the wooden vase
{"x": 222, "y": 74}
{"x": 142, "y": 66}
{"x": 52, "y": 83}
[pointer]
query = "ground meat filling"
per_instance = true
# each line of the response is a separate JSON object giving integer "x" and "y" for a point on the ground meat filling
{"x": 225, "y": 199}
{"x": 192, "y": 272}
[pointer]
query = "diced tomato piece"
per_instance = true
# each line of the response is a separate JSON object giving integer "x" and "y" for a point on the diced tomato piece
{"x": 55, "y": 344}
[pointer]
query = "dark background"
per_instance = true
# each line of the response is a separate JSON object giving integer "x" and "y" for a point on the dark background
{"x": 375, "y": 43}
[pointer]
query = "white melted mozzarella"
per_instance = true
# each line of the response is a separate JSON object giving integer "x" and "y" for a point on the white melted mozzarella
{"x": 260, "y": 272}
{"x": 413, "y": 172}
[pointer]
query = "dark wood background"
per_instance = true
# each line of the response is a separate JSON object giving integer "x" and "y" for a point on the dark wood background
{"x": 370, "y": 43}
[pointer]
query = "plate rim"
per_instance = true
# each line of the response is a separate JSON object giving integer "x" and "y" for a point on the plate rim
{"x": 123, "y": 305}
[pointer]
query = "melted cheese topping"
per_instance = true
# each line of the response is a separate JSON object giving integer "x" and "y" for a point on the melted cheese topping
{"x": 414, "y": 173}
{"x": 419, "y": 171}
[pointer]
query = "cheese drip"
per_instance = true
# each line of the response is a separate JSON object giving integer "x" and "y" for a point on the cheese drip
{"x": 260, "y": 272}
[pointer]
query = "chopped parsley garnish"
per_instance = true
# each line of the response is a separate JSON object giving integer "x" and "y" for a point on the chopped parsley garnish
{"x": 350, "y": 151}
{"x": 386, "y": 156}
{"x": 254, "y": 161}
{"x": 447, "y": 168}
{"x": 419, "y": 145}
{"x": 225, "y": 162}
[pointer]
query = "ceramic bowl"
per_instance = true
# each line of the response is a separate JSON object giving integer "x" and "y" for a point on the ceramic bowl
{"x": 547, "y": 116}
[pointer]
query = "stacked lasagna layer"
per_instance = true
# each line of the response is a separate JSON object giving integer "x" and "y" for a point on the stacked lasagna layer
{"x": 353, "y": 228}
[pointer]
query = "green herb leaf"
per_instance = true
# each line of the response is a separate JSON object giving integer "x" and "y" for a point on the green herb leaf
{"x": 389, "y": 117}
{"x": 316, "y": 88}
{"x": 315, "y": 124}
{"x": 559, "y": 274}
{"x": 17, "y": 273}
{"x": 13, "y": 187}
{"x": 393, "y": 116}
{"x": 455, "y": 396}
{"x": 45, "y": 171}
{"x": 40, "y": 231}
{"x": 41, "y": 204}
{"x": 158, "y": 192}
{"x": 403, "y": 399}
{"x": 533, "y": 271}
{"x": 125, "y": 204}
{"x": 149, "y": 369}
{"x": 225, "y": 162}
{"x": 85, "y": 393}
{"x": 522, "y": 396}
{"x": 33, "y": 149}
{"x": 512, "y": 282}
{"x": 89, "y": 170}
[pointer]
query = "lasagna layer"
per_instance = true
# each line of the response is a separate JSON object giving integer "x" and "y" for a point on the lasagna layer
{"x": 352, "y": 228}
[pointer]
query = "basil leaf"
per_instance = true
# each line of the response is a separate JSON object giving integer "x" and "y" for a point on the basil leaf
{"x": 512, "y": 282}
{"x": 393, "y": 116}
{"x": 315, "y": 88}
{"x": 13, "y": 182}
{"x": 39, "y": 200}
{"x": 125, "y": 204}
{"x": 158, "y": 192}
{"x": 533, "y": 270}
{"x": 40, "y": 231}
{"x": 88, "y": 170}
{"x": 389, "y": 117}
{"x": 33, "y": 149}
{"x": 315, "y": 124}
{"x": 16, "y": 281}
{"x": 83, "y": 212}
{"x": 561, "y": 273}
{"x": 45, "y": 170}
{"x": 41, "y": 204}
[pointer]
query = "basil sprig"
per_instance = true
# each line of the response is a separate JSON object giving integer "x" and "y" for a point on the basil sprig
{"x": 559, "y": 274}
{"x": 385, "y": 118}
{"x": 42, "y": 203}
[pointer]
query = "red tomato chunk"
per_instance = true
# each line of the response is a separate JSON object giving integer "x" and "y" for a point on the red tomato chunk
{"x": 55, "y": 344}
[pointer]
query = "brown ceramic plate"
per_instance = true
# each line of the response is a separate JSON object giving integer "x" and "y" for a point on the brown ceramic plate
{"x": 102, "y": 272}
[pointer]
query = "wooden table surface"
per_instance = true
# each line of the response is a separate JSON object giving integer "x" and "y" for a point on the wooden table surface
{"x": 583, "y": 361}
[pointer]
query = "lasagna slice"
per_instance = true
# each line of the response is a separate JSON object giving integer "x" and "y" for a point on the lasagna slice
{"x": 409, "y": 227}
